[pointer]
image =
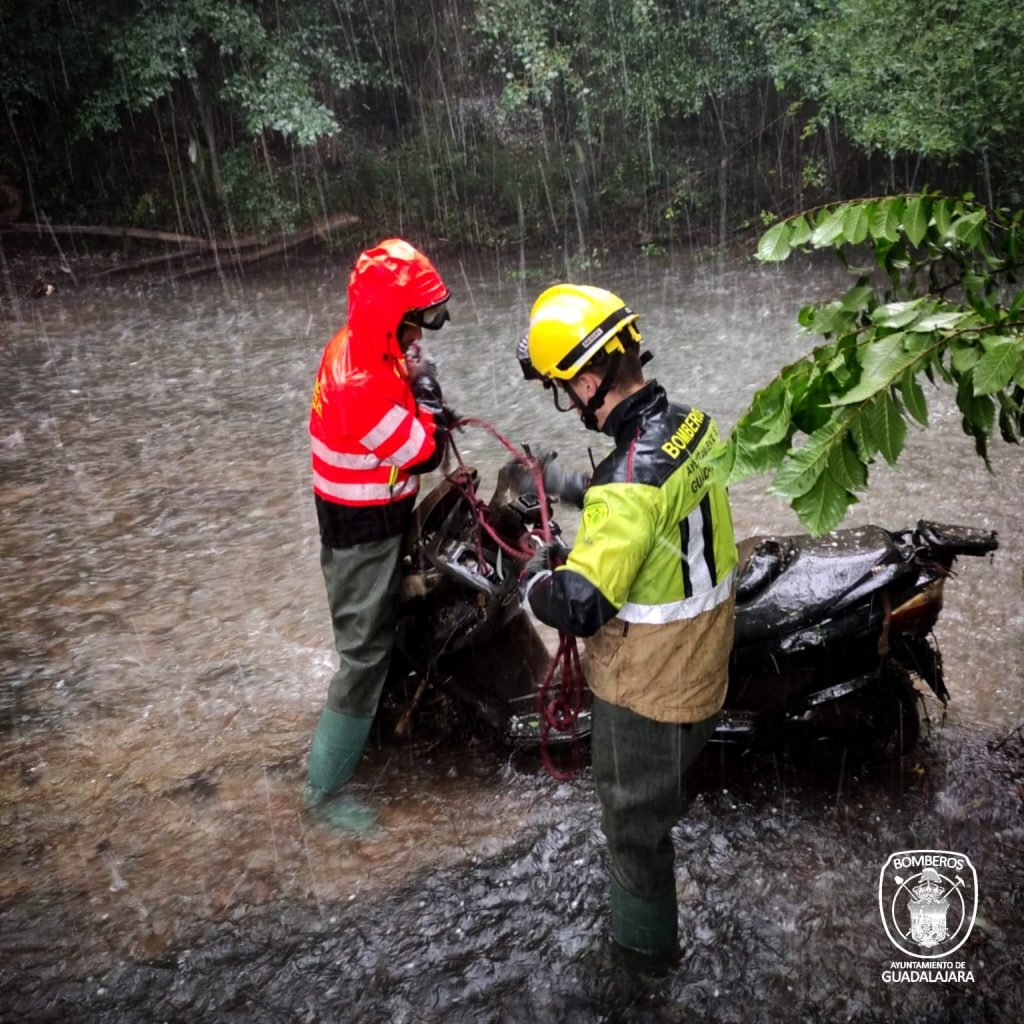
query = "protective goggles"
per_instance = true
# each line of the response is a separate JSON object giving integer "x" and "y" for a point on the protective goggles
{"x": 523, "y": 356}
{"x": 530, "y": 373}
{"x": 432, "y": 318}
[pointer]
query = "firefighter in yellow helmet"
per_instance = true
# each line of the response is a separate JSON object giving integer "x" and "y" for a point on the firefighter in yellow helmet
{"x": 649, "y": 582}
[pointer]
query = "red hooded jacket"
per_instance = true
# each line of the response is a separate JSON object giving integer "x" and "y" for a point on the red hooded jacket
{"x": 369, "y": 437}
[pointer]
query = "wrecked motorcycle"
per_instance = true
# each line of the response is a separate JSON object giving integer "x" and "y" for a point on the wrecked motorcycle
{"x": 830, "y": 631}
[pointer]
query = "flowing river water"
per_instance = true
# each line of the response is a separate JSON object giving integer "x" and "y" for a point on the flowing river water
{"x": 165, "y": 649}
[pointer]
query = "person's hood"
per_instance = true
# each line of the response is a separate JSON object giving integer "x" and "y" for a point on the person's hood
{"x": 387, "y": 282}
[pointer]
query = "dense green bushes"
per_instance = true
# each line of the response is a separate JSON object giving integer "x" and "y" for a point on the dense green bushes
{"x": 485, "y": 121}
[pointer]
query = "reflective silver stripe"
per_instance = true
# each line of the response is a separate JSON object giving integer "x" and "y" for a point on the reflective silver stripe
{"x": 364, "y": 492}
{"x": 417, "y": 435}
{"x": 389, "y": 423}
{"x": 531, "y": 583}
{"x": 700, "y": 571}
{"x": 676, "y": 611}
{"x": 343, "y": 460}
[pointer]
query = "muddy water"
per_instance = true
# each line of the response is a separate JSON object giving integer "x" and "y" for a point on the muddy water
{"x": 165, "y": 647}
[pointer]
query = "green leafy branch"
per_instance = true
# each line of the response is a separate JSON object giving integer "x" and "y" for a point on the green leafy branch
{"x": 934, "y": 299}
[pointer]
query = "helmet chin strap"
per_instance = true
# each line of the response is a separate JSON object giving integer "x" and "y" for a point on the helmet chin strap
{"x": 588, "y": 410}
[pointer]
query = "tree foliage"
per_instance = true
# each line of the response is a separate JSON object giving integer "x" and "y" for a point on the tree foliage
{"x": 934, "y": 300}
{"x": 186, "y": 84}
{"x": 272, "y": 75}
{"x": 939, "y": 78}
{"x": 490, "y": 120}
{"x": 641, "y": 60}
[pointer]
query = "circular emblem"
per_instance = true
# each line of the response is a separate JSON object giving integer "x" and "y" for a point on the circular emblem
{"x": 594, "y": 514}
{"x": 928, "y": 900}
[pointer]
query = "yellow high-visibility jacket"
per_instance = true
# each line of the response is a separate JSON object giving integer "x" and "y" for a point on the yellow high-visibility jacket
{"x": 650, "y": 579}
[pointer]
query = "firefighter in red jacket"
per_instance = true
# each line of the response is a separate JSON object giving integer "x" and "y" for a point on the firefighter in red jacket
{"x": 377, "y": 423}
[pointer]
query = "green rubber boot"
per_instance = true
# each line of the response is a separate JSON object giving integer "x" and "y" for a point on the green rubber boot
{"x": 645, "y": 928}
{"x": 345, "y": 813}
{"x": 337, "y": 746}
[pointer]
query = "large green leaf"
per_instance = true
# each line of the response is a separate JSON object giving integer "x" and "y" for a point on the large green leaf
{"x": 858, "y": 298}
{"x": 888, "y": 427}
{"x": 803, "y": 467}
{"x": 884, "y": 219}
{"x": 883, "y": 362}
{"x": 915, "y": 218}
{"x": 744, "y": 460}
{"x": 863, "y": 438}
{"x": 830, "y": 228}
{"x": 942, "y": 213}
{"x": 822, "y": 507}
{"x": 979, "y": 415}
{"x": 855, "y": 223}
{"x": 773, "y": 414}
{"x": 801, "y": 231}
{"x": 995, "y": 369}
{"x": 899, "y": 314}
{"x": 846, "y": 466}
{"x": 774, "y": 244}
{"x": 965, "y": 356}
{"x": 942, "y": 320}
{"x": 913, "y": 397}
{"x": 1011, "y": 416}
{"x": 831, "y": 318}
{"x": 969, "y": 229}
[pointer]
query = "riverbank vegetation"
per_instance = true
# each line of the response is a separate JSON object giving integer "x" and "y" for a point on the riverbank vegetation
{"x": 484, "y": 122}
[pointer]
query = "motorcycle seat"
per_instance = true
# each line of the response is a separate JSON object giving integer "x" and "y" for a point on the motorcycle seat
{"x": 792, "y": 582}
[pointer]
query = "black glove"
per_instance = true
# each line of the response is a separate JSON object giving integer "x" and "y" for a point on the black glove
{"x": 427, "y": 393}
{"x": 449, "y": 417}
{"x": 540, "y": 564}
{"x": 565, "y": 484}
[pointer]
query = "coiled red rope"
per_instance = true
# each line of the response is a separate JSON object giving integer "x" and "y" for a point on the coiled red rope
{"x": 522, "y": 458}
{"x": 561, "y": 692}
{"x": 561, "y": 711}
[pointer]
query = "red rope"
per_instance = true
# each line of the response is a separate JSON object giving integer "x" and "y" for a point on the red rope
{"x": 523, "y": 459}
{"x": 559, "y": 711}
{"x": 464, "y": 485}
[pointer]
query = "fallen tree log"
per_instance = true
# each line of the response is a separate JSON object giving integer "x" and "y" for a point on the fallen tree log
{"x": 318, "y": 228}
{"x": 238, "y": 251}
{"x": 144, "y": 234}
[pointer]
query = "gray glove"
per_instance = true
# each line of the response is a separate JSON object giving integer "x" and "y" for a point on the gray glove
{"x": 417, "y": 362}
{"x": 567, "y": 485}
{"x": 541, "y": 564}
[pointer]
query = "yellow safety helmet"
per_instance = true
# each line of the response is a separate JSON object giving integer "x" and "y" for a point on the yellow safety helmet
{"x": 569, "y": 325}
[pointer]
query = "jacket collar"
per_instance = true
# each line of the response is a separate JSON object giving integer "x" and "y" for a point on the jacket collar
{"x": 624, "y": 419}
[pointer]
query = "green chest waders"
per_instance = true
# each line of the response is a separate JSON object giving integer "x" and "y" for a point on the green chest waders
{"x": 362, "y": 590}
{"x": 639, "y": 767}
